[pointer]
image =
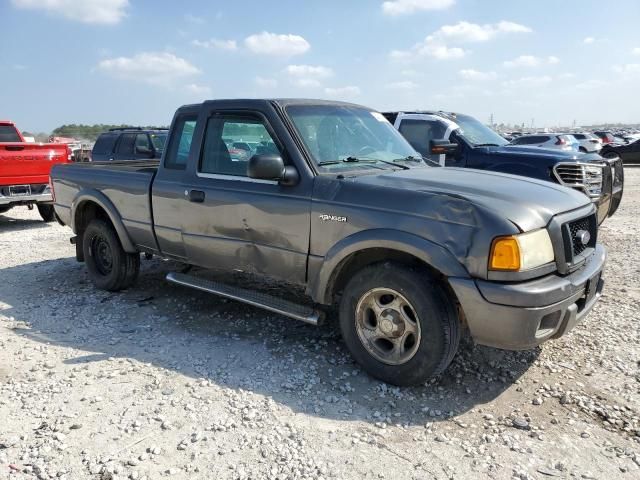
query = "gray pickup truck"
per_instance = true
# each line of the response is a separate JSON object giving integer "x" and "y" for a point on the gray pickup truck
{"x": 332, "y": 198}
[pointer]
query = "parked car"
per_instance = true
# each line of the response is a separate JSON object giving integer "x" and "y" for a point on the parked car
{"x": 606, "y": 137}
{"x": 546, "y": 140}
{"x": 458, "y": 140}
{"x": 129, "y": 143}
{"x": 629, "y": 153}
{"x": 588, "y": 143}
{"x": 24, "y": 171}
{"x": 345, "y": 208}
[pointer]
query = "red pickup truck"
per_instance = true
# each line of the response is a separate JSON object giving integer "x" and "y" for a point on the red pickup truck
{"x": 24, "y": 171}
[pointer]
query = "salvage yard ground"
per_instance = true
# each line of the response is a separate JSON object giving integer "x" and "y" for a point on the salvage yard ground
{"x": 160, "y": 381}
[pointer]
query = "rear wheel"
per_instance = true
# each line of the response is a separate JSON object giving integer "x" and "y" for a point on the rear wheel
{"x": 398, "y": 324}
{"x": 610, "y": 155}
{"x": 47, "y": 212}
{"x": 4, "y": 209}
{"x": 110, "y": 267}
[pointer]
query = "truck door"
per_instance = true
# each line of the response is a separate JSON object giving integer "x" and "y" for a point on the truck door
{"x": 230, "y": 221}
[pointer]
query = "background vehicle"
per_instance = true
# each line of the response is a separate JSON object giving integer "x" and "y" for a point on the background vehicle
{"x": 588, "y": 143}
{"x": 342, "y": 205}
{"x": 606, "y": 137}
{"x": 629, "y": 153}
{"x": 546, "y": 140}
{"x": 458, "y": 140}
{"x": 24, "y": 171}
{"x": 129, "y": 143}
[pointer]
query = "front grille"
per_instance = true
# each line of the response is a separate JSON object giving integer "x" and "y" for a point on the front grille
{"x": 575, "y": 248}
{"x": 584, "y": 177}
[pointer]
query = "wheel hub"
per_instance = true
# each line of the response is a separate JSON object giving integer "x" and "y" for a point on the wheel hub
{"x": 387, "y": 326}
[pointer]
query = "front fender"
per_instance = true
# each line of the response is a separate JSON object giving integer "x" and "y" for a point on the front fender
{"x": 321, "y": 284}
{"x": 99, "y": 198}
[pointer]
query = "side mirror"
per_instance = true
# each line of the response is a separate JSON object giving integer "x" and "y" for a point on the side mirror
{"x": 442, "y": 147}
{"x": 144, "y": 151}
{"x": 270, "y": 166}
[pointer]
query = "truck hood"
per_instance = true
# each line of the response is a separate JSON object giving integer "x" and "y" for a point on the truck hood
{"x": 528, "y": 203}
{"x": 550, "y": 154}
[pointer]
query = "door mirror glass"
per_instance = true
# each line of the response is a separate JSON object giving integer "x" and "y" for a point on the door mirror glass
{"x": 144, "y": 151}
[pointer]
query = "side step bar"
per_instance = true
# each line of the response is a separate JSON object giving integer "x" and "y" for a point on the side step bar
{"x": 257, "y": 299}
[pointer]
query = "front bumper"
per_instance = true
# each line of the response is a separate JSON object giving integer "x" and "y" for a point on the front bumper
{"x": 520, "y": 316}
{"x": 44, "y": 197}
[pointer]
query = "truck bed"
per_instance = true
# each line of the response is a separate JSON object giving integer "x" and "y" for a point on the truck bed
{"x": 124, "y": 185}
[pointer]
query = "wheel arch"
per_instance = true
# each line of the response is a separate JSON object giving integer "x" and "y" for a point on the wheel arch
{"x": 373, "y": 246}
{"x": 90, "y": 204}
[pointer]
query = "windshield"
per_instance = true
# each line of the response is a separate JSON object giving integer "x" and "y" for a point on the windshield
{"x": 347, "y": 137}
{"x": 159, "y": 140}
{"x": 477, "y": 133}
{"x": 9, "y": 134}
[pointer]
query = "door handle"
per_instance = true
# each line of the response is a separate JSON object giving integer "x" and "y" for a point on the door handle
{"x": 196, "y": 196}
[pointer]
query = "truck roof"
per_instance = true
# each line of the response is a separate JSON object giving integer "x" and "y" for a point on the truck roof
{"x": 283, "y": 102}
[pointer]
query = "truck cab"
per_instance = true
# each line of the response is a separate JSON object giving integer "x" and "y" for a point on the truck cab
{"x": 459, "y": 140}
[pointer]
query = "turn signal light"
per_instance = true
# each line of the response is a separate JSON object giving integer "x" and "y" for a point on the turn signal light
{"x": 505, "y": 254}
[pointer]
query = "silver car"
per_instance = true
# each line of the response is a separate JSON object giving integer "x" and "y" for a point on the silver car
{"x": 589, "y": 143}
{"x": 557, "y": 141}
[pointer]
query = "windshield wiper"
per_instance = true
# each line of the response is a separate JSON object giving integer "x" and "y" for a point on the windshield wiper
{"x": 486, "y": 145}
{"x": 351, "y": 159}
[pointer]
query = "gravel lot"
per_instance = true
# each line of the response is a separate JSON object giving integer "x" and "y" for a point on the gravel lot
{"x": 161, "y": 381}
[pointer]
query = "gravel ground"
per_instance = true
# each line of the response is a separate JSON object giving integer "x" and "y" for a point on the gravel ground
{"x": 161, "y": 381}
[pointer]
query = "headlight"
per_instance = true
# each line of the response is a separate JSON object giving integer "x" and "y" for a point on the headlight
{"x": 521, "y": 252}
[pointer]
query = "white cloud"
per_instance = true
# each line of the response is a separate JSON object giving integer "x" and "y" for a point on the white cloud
{"x": 471, "y": 74}
{"x": 437, "y": 44}
{"x": 466, "y": 32}
{"x": 531, "y": 61}
{"x": 629, "y": 68}
{"x": 308, "y": 75}
{"x": 528, "y": 81}
{"x": 107, "y": 12}
{"x": 266, "y": 82}
{"x": 199, "y": 90}
{"x": 635, "y": 51}
{"x": 402, "y": 85}
{"x": 267, "y": 43}
{"x": 229, "y": 45}
{"x": 403, "y": 7}
{"x": 588, "y": 40}
{"x": 149, "y": 67}
{"x": 190, "y": 18}
{"x": 342, "y": 92}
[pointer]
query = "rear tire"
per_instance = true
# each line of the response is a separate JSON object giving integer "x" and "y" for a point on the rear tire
{"x": 399, "y": 324}
{"x": 110, "y": 267}
{"x": 4, "y": 209}
{"x": 47, "y": 212}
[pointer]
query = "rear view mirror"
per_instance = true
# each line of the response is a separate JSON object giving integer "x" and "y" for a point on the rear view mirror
{"x": 442, "y": 147}
{"x": 270, "y": 166}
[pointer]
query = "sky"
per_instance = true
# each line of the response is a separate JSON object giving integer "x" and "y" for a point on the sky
{"x": 540, "y": 62}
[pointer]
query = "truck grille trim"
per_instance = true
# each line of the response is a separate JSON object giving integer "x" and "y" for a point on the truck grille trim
{"x": 575, "y": 249}
{"x": 586, "y": 177}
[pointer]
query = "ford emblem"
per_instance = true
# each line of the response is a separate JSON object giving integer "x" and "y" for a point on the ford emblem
{"x": 583, "y": 237}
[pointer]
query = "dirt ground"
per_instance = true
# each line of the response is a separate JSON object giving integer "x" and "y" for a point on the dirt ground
{"x": 161, "y": 381}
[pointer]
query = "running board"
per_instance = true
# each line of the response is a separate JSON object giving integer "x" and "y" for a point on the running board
{"x": 257, "y": 299}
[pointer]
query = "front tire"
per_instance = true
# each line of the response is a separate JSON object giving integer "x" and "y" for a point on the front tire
{"x": 399, "y": 324}
{"x": 110, "y": 267}
{"x": 47, "y": 212}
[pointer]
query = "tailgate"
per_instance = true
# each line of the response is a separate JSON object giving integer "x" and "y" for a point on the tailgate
{"x": 29, "y": 164}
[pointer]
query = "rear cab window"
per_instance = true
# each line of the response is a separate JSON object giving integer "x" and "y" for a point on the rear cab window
{"x": 105, "y": 143}
{"x": 9, "y": 134}
{"x": 180, "y": 142}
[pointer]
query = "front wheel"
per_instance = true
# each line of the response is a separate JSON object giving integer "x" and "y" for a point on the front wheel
{"x": 47, "y": 212}
{"x": 110, "y": 267}
{"x": 399, "y": 324}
